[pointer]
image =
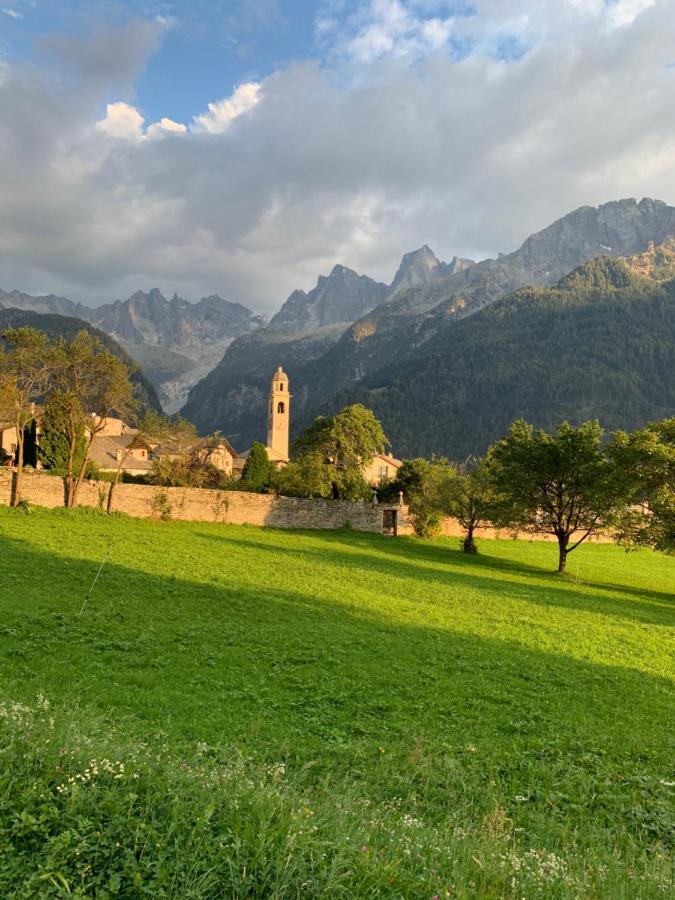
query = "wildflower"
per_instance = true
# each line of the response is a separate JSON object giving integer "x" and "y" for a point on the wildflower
{"x": 381, "y": 749}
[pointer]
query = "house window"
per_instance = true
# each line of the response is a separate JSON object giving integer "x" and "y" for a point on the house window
{"x": 142, "y": 454}
{"x": 383, "y": 471}
{"x": 280, "y": 407}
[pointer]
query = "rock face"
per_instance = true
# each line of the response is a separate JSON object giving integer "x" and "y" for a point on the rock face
{"x": 149, "y": 318}
{"x": 425, "y": 297}
{"x": 48, "y": 303}
{"x": 176, "y": 342}
{"x": 340, "y": 298}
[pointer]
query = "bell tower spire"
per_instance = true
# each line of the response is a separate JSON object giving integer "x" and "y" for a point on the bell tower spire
{"x": 279, "y": 415}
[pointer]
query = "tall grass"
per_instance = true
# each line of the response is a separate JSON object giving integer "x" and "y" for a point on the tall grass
{"x": 85, "y": 812}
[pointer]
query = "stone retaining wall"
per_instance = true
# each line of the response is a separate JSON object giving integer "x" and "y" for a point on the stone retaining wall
{"x": 196, "y": 504}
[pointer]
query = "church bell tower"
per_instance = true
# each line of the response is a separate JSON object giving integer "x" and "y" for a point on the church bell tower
{"x": 279, "y": 415}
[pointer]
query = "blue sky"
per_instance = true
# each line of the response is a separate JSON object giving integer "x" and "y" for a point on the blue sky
{"x": 246, "y": 147}
{"x": 209, "y": 47}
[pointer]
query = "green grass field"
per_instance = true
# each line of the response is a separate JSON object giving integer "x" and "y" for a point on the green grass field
{"x": 330, "y": 714}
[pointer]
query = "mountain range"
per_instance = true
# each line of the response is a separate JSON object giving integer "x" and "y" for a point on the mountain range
{"x": 600, "y": 344}
{"x": 175, "y": 342}
{"x": 394, "y": 327}
{"x": 447, "y": 353}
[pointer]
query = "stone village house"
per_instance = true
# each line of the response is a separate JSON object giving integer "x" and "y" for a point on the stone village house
{"x": 118, "y": 440}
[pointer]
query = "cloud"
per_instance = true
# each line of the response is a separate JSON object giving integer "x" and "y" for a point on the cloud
{"x": 165, "y": 126}
{"x": 109, "y": 56}
{"x": 222, "y": 113}
{"x": 122, "y": 121}
{"x": 12, "y": 13}
{"x": 386, "y": 28}
{"x": 287, "y": 176}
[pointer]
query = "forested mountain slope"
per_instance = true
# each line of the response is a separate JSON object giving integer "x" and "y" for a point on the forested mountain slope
{"x": 600, "y": 344}
{"x": 57, "y": 326}
{"x": 426, "y": 298}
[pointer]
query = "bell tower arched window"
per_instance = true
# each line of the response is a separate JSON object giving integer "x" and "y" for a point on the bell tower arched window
{"x": 280, "y": 407}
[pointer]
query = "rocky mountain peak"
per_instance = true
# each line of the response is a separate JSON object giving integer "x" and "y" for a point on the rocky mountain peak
{"x": 617, "y": 228}
{"x": 418, "y": 269}
{"x": 341, "y": 297}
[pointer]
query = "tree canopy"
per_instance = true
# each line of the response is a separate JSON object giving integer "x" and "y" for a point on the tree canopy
{"x": 560, "y": 483}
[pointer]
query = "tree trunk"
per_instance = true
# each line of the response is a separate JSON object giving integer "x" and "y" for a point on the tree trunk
{"x": 111, "y": 491}
{"x": 80, "y": 475}
{"x": 18, "y": 475}
{"x": 562, "y": 554}
{"x": 469, "y": 543}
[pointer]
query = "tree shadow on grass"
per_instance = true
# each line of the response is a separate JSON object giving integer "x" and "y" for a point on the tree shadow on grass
{"x": 298, "y": 672}
{"x": 648, "y": 607}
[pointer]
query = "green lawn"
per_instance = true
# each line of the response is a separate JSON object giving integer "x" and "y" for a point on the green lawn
{"x": 449, "y": 725}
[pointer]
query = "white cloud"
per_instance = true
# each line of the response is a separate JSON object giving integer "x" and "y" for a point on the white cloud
{"x": 165, "y": 126}
{"x": 222, "y": 113}
{"x": 467, "y": 156}
{"x": 391, "y": 28}
{"x": 12, "y": 13}
{"x": 122, "y": 121}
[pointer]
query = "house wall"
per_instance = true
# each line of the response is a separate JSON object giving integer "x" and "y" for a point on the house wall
{"x": 8, "y": 439}
{"x": 372, "y": 473}
{"x": 196, "y": 504}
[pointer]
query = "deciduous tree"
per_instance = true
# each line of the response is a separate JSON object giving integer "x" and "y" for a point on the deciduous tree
{"x": 92, "y": 385}
{"x": 26, "y": 368}
{"x": 647, "y": 460}
{"x": 344, "y": 444}
{"x": 466, "y": 493}
{"x": 562, "y": 484}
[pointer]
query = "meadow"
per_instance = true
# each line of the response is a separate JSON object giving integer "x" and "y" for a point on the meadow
{"x": 240, "y": 712}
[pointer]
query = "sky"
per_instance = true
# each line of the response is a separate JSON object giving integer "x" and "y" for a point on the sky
{"x": 244, "y": 148}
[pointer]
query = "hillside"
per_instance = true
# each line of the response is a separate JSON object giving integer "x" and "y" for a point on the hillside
{"x": 425, "y": 299}
{"x": 249, "y": 713}
{"x": 58, "y": 326}
{"x": 176, "y": 342}
{"x": 600, "y": 344}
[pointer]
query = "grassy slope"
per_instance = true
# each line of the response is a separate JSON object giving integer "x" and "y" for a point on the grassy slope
{"x": 466, "y": 687}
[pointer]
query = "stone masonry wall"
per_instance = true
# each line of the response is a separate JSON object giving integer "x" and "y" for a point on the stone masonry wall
{"x": 235, "y": 507}
{"x": 196, "y": 504}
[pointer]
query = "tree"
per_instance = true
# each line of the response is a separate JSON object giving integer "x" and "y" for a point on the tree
{"x": 417, "y": 480}
{"x": 54, "y": 443}
{"x": 154, "y": 429}
{"x": 344, "y": 444}
{"x": 92, "y": 385}
{"x": 309, "y": 476}
{"x": 26, "y": 368}
{"x": 647, "y": 460}
{"x": 562, "y": 484}
{"x": 466, "y": 493}
{"x": 257, "y": 471}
